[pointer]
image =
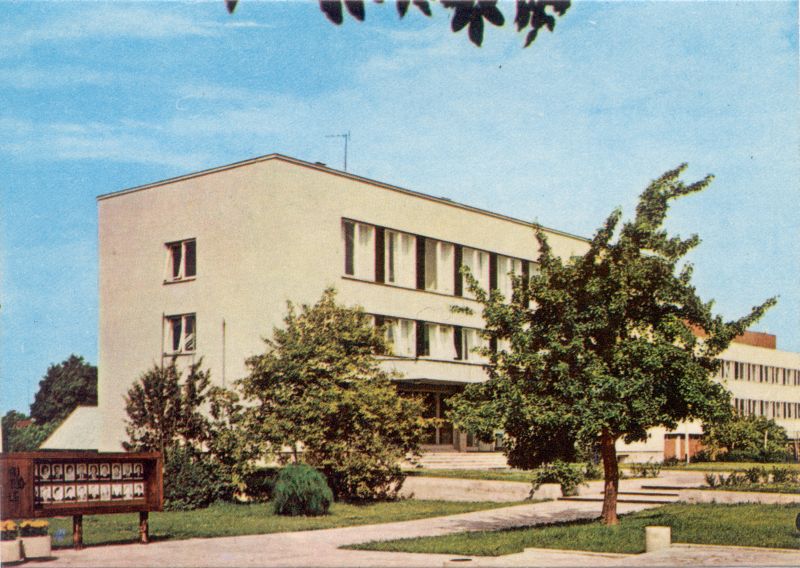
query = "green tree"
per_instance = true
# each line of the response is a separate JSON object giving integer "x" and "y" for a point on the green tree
{"x": 21, "y": 437}
{"x": 319, "y": 389}
{"x": 746, "y": 438}
{"x": 165, "y": 409}
{"x": 530, "y": 16}
{"x": 66, "y": 385}
{"x": 601, "y": 345}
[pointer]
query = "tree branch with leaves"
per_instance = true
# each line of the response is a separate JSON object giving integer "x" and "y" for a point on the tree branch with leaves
{"x": 604, "y": 346}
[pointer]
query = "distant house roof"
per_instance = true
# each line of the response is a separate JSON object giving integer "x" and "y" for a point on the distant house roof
{"x": 23, "y": 424}
{"x": 80, "y": 431}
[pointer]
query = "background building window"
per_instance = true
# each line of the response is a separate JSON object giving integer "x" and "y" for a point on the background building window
{"x": 505, "y": 266}
{"x": 181, "y": 260}
{"x": 401, "y": 336}
{"x": 180, "y": 334}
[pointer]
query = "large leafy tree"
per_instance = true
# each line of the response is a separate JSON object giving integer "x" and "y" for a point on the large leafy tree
{"x": 601, "y": 347}
{"x": 319, "y": 392}
{"x": 66, "y": 385}
{"x": 530, "y": 16}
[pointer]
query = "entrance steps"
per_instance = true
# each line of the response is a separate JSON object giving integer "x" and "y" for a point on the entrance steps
{"x": 462, "y": 460}
{"x": 643, "y": 497}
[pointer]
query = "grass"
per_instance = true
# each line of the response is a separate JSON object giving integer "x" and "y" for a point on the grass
{"x": 758, "y": 488}
{"x": 740, "y": 524}
{"x": 722, "y": 466}
{"x": 487, "y": 475}
{"x": 231, "y": 519}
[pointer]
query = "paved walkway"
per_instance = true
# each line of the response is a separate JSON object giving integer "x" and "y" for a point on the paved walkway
{"x": 321, "y": 548}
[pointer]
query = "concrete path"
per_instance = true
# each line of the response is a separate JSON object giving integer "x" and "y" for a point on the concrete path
{"x": 321, "y": 548}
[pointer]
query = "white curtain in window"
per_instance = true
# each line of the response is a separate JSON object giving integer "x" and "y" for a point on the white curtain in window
{"x": 445, "y": 268}
{"x": 443, "y": 347}
{"x": 431, "y": 264}
{"x": 400, "y": 259}
{"x": 478, "y": 263}
{"x": 471, "y": 340}
{"x": 406, "y": 338}
{"x": 365, "y": 252}
{"x": 505, "y": 266}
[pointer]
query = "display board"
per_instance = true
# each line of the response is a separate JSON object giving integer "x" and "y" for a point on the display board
{"x": 61, "y": 483}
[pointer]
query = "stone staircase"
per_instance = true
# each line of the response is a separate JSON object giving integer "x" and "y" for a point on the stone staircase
{"x": 462, "y": 460}
{"x": 649, "y": 497}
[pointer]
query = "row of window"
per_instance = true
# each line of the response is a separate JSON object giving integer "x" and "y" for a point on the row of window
{"x": 407, "y": 338}
{"x": 767, "y": 408}
{"x": 759, "y": 373}
{"x": 413, "y": 338}
{"x": 412, "y": 261}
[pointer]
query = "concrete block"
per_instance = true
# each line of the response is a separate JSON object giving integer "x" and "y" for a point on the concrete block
{"x": 657, "y": 538}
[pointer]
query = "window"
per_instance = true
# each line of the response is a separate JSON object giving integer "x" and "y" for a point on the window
{"x": 437, "y": 341}
{"x": 471, "y": 341}
{"x": 400, "y": 333}
{"x": 505, "y": 266}
{"x": 478, "y": 263}
{"x": 180, "y": 334}
{"x": 181, "y": 260}
{"x": 359, "y": 249}
{"x": 400, "y": 259}
{"x": 439, "y": 271}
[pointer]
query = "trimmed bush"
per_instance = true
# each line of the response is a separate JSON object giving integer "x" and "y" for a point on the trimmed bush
{"x": 568, "y": 475}
{"x": 193, "y": 480}
{"x": 301, "y": 490}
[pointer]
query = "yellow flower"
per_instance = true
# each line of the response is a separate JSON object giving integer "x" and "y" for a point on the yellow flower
{"x": 8, "y": 526}
{"x": 37, "y": 524}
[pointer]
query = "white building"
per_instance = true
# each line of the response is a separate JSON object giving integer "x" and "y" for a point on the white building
{"x": 202, "y": 266}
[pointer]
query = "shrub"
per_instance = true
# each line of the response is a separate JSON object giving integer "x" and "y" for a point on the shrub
{"x": 301, "y": 490}
{"x": 648, "y": 469}
{"x": 711, "y": 480}
{"x": 593, "y": 471}
{"x": 754, "y": 474}
{"x": 783, "y": 474}
{"x": 260, "y": 484}
{"x": 193, "y": 480}
{"x": 8, "y": 530}
{"x": 568, "y": 475}
{"x": 33, "y": 528}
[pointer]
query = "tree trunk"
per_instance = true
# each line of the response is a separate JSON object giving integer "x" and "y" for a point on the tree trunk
{"x": 611, "y": 475}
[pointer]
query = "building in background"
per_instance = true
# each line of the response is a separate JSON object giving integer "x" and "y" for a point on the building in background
{"x": 201, "y": 266}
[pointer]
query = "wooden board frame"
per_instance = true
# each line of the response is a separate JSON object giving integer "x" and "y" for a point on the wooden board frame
{"x": 18, "y": 484}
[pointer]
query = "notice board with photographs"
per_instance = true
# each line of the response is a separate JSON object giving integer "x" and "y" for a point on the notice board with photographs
{"x": 62, "y": 483}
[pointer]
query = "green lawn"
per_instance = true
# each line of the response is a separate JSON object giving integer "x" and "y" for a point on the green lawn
{"x": 723, "y": 466}
{"x": 489, "y": 475}
{"x": 229, "y": 519}
{"x": 741, "y": 525}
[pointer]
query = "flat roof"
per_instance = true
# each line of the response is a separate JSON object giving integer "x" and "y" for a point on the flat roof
{"x": 324, "y": 168}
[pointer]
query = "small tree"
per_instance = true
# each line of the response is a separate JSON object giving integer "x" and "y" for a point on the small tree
{"x": 319, "y": 390}
{"x": 164, "y": 409}
{"x": 21, "y": 434}
{"x": 601, "y": 347}
{"x": 746, "y": 438}
{"x": 66, "y": 385}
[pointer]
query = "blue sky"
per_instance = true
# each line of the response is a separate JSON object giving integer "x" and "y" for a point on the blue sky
{"x": 99, "y": 96}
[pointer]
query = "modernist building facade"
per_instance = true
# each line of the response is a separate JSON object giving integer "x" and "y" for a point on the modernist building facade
{"x": 202, "y": 266}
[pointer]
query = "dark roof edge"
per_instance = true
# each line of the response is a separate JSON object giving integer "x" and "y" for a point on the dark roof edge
{"x": 340, "y": 173}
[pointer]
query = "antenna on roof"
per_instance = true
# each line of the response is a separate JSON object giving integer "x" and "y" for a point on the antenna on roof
{"x": 346, "y": 137}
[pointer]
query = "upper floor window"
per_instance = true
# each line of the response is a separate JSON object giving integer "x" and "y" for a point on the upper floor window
{"x": 478, "y": 263}
{"x": 439, "y": 272}
{"x": 180, "y": 334}
{"x": 181, "y": 260}
{"x": 505, "y": 267}
{"x": 400, "y": 258}
{"x": 359, "y": 249}
{"x": 437, "y": 341}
